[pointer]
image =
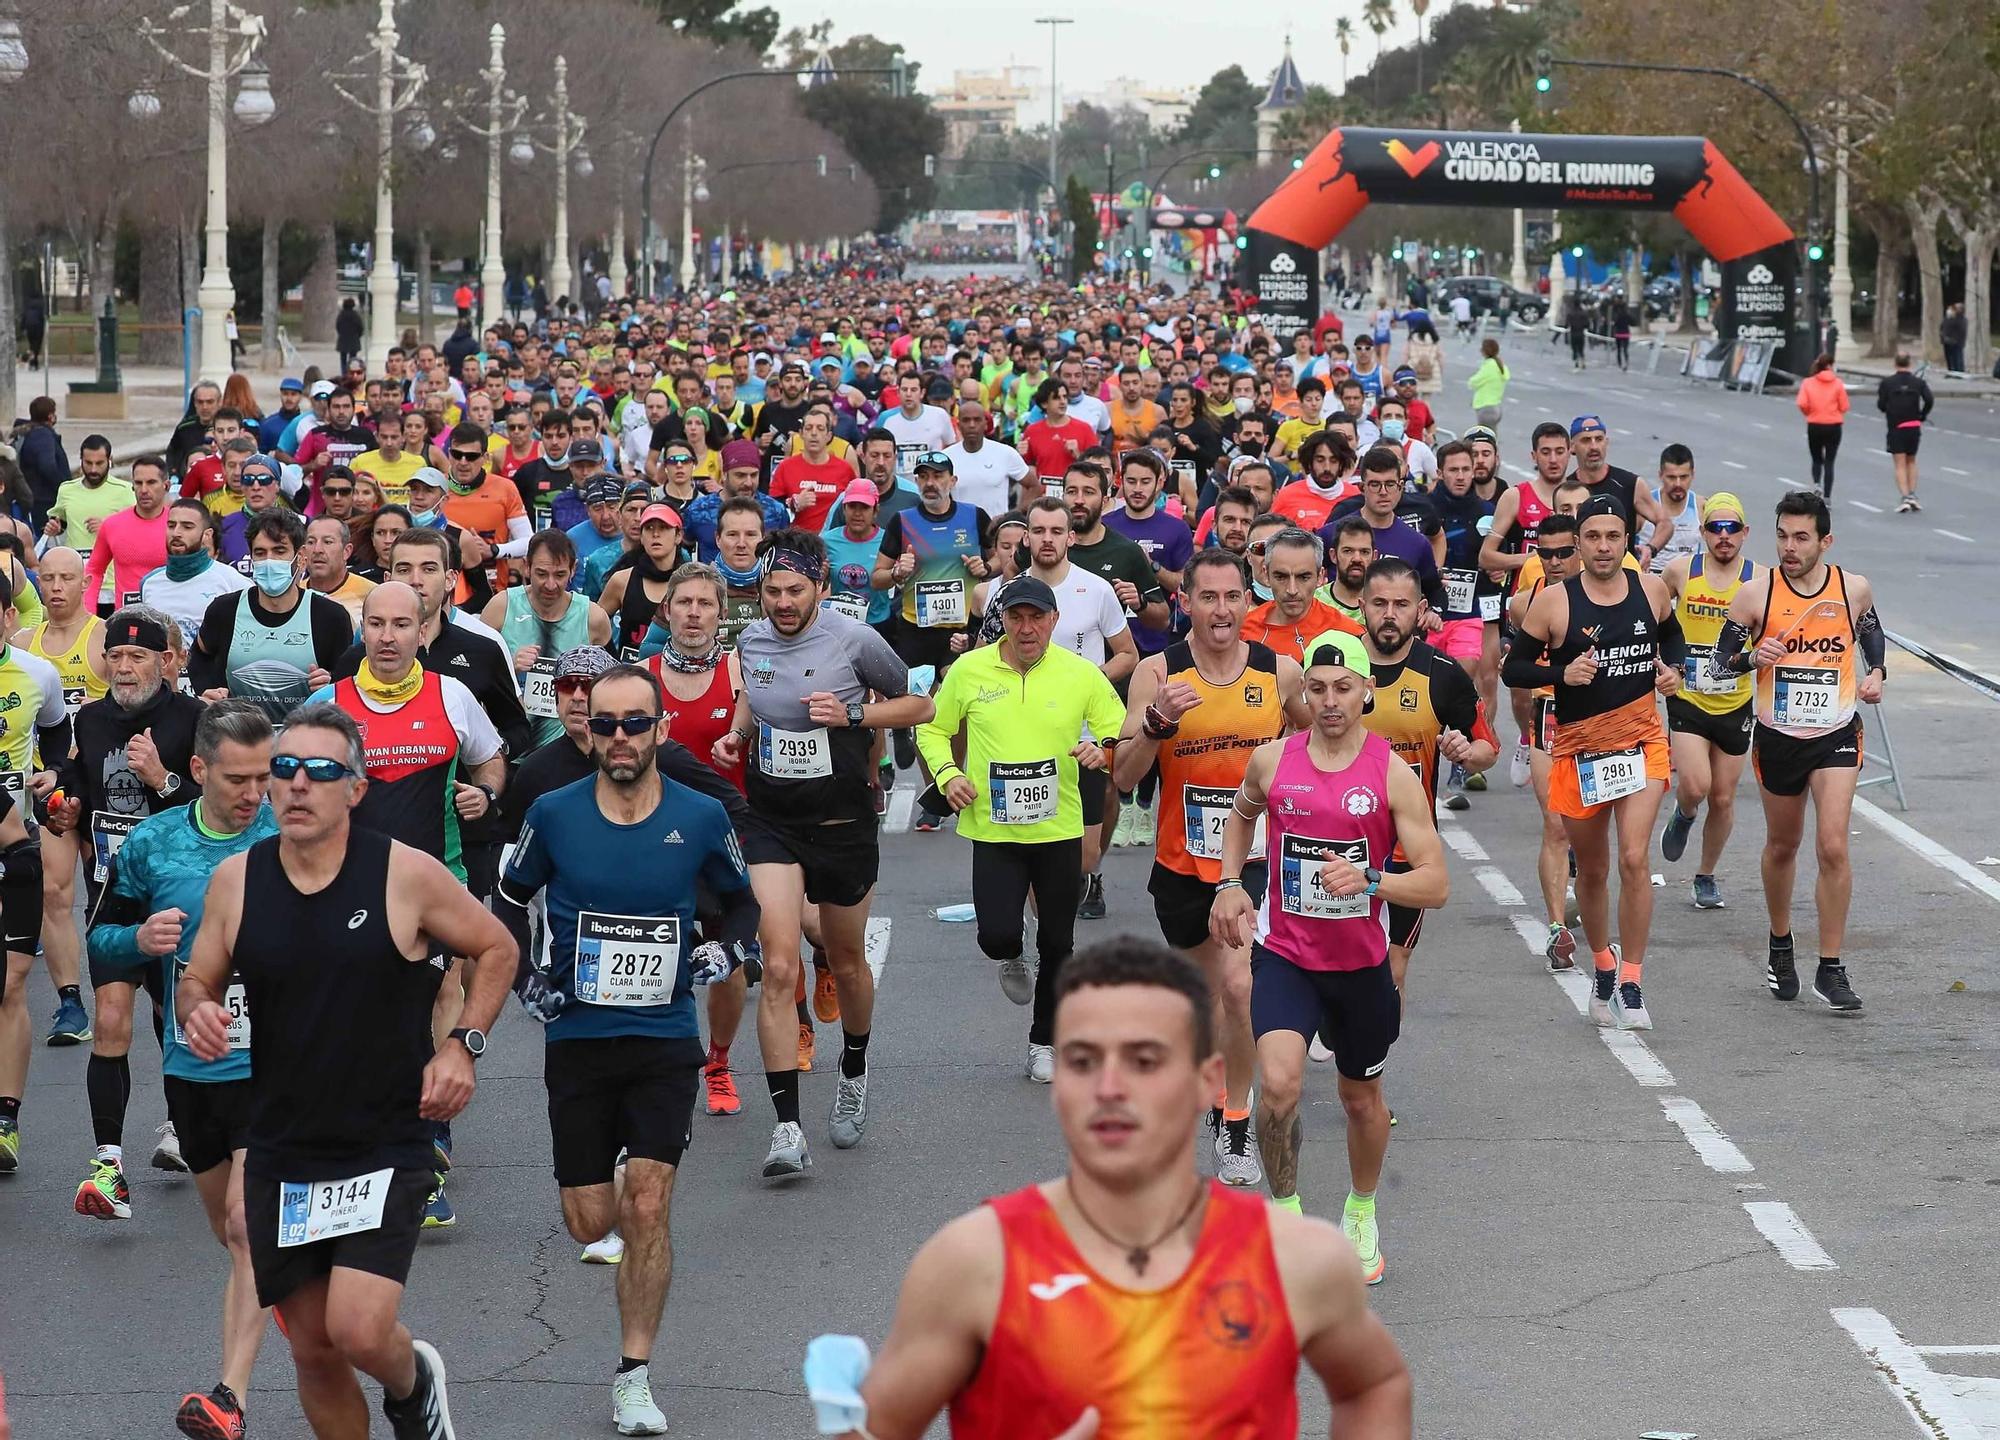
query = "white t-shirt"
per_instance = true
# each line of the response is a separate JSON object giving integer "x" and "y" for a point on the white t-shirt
{"x": 986, "y": 476}
{"x": 1421, "y": 459}
{"x": 1091, "y": 411}
{"x": 1087, "y": 614}
{"x": 186, "y": 601}
{"x": 931, "y": 430}
{"x": 1461, "y": 308}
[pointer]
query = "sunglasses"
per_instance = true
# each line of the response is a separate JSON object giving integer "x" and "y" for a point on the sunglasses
{"x": 633, "y": 725}
{"x": 570, "y": 684}
{"x": 317, "y": 768}
{"x": 468, "y": 454}
{"x": 1724, "y": 527}
{"x": 260, "y": 479}
{"x": 519, "y": 429}
{"x": 680, "y": 459}
{"x": 334, "y": 492}
{"x": 1548, "y": 553}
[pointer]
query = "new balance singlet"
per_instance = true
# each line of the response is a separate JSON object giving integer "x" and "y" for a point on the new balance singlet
{"x": 700, "y": 722}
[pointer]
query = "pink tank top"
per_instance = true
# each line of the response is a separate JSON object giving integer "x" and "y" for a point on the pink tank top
{"x": 1315, "y": 816}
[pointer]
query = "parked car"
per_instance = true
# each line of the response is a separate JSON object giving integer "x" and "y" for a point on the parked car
{"x": 1487, "y": 293}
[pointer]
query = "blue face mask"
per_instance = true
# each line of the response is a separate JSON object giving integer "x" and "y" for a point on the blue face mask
{"x": 273, "y": 577}
{"x": 1393, "y": 429}
{"x": 1261, "y": 591}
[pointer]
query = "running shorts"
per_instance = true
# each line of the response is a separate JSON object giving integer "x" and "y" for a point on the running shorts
{"x": 21, "y": 898}
{"x": 841, "y": 861}
{"x": 1356, "y": 1013}
{"x": 624, "y": 1092}
{"x": 1460, "y": 639}
{"x": 1729, "y": 732}
{"x": 1903, "y": 439}
{"x": 1785, "y": 764}
{"x": 386, "y": 1250}
{"x": 916, "y": 646}
{"x": 1090, "y": 788}
{"x": 1564, "y": 798}
{"x": 211, "y": 1118}
{"x": 1182, "y": 902}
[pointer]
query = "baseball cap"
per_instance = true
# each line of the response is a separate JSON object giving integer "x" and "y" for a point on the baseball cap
{"x": 742, "y": 455}
{"x": 430, "y": 475}
{"x": 827, "y": 337}
{"x": 321, "y": 389}
{"x": 1721, "y": 501}
{"x": 791, "y": 367}
{"x": 1584, "y": 424}
{"x": 932, "y": 460}
{"x": 1479, "y": 432}
{"x": 603, "y": 490}
{"x": 1337, "y": 647}
{"x": 1028, "y": 590}
{"x": 664, "y": 514}
{"x": 861, "y": 492}
{"x": 826, "y": 360}
{"x": 585, "y": 662}
{"x": 1405, "y": 373}
{"x": 635, "y": 489}
{"x": 1598, "y": 505}
{"x": 291, "y": 383}
{"x": 588, "y": 450}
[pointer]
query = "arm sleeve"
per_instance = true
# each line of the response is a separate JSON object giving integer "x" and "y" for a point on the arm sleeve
{"x": 528, "y": 865}
{"x": 1731, "y": 656}
{"x": 1673, "y": 643}
{"x": 1874, "y": 650}
{"x": 1454, "y": 696}
{"x": 1527, "y": 666}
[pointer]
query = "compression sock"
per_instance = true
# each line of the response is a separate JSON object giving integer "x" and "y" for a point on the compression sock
{"x": 853, "y": 1054}
{"x": 1288, "y": 1202}
{"x": 1358, "y": 1204}
{"x": 784, "y": 1094}
{"x": 107, "y": 1081}
{"x": 626, "y": 1364}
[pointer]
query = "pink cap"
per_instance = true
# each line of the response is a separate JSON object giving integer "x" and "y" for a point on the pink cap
{"x": 663, "y": 513}
{"x": 861, "y": 492}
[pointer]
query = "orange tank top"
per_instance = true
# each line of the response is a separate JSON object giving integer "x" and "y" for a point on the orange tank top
{"x": 1211, "y": 1357}
{"x": 1202, "y": 766}
{"x": 1813, "y": 690}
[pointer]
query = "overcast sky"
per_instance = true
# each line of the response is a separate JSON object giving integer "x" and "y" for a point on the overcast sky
{"x": 1173, "y": 43}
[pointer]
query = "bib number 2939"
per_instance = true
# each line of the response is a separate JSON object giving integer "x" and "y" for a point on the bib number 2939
{"x": 793, "y": 754}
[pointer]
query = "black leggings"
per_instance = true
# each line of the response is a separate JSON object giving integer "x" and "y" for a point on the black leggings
{"x": 1003, "y": 873}
{"x": 1823, "y": 443}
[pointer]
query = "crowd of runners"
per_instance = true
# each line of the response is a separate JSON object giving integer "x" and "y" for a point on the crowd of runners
{"x": 582, "y": 666}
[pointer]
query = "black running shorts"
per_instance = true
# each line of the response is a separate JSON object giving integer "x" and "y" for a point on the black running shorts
{"x": 841, "y": 862}
{"x": 386, "y": 1250}
{"x": 1903, "y": 440}
{"x": 1785, "y": 764}
{"x": 626, "y": 1092}
{"x": 1181, "y": 902}
{"x": 1729, "y": 733}
{"x": 212, "y": 1119}
{"x": 1357, "y": 1013}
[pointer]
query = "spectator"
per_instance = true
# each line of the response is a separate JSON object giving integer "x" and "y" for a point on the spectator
{"x": 1951, "y": 334}
{"x": 42, "y": 458}
{"x": 347, "y": 332}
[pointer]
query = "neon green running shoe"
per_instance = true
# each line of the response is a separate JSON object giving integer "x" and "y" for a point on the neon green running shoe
{"x": 104, "y": 1195}
{"x": 1359, "y": 1227}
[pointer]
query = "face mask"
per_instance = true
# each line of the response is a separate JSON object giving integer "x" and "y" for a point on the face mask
{"x": 273, "y": 577}
{"x": 1392, "y": 429}
{"x": 1244, "y": 404}
{"x": 1262, "y": 592}
{"x": 1250, "y": 447}
{"x": 428, "y": 519}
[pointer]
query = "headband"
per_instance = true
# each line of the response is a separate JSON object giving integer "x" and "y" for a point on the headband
{"x": 796, "y": 561}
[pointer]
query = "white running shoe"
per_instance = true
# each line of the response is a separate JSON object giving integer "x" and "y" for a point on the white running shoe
{"x": 1317, "y": 1052}
{"x": 788, "y": 1155}
{"x": 608, "y": 1251}
{"x": 1518, "y": 771}
{"x": 850, "y": 1111}
{"x": 1042, "y": 1063}
{"x": 632, "y": 1409}
{"x": 167, "y": 1154}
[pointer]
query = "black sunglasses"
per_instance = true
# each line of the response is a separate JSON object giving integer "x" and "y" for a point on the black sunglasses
{"x": 334, "y": 492}
{"x": 468, "y": 454}
{"x": 1547, "y": 553}
{"x": 633, "y": 725}
{"x": 317, "y": 768}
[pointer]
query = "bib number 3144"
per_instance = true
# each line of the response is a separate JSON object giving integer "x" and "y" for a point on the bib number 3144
{"x": 324, "y": 1209}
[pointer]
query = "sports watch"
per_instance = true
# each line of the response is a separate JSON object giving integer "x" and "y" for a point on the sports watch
{"x": 474, "y": 1041}
{"x": 1373, "y": 877}
{"x": 855, "y": 718}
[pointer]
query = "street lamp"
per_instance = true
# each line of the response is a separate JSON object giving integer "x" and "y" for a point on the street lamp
{"x": 233, "y": 35}
{"x": 143, "y": 104}
{"x": 398, "y": 79}
{"x": 1055, "y": 24}
{"x": 569, "y": 127}
{"x": 694, "y": 191}
{"x": 13, "y": 65}
{"x": 503, "y": 115}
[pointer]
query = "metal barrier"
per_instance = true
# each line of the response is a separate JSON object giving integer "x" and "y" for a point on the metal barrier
{"x": 1982, "y": 684}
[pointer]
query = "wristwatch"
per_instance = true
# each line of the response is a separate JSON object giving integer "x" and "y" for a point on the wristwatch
{"x": 474, "y": 1041}
{"x": 170, "y": 786}
{"x": 492, "y": 795}
{"x": 855, "y": 718}
{"x": 1373, "y": 877}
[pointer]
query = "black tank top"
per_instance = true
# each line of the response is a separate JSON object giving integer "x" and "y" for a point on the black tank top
{"x": 1627, "y": 640}
{"x": 340, "y": 1026}
{"x": 636, "y": 611}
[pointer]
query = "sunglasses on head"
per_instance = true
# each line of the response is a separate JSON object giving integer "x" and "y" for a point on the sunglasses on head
{"x": 633, "y": 725}
{"x": 317, "y": 768}
{"x": 1552, "y": 553}
{"x": 468, "y": 454}
{"x": 1724, "y": 527}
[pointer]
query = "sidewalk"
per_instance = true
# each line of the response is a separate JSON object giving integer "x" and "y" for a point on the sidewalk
{"x": 1865, "y": 374}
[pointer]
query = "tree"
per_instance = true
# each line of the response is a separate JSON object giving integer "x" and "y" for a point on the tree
{"x": 1375, "y": 14}
{"x": 721, "y": 22}
{"x": 888, "y": 136}
{"x": 1082, "y": 213}
{"x": 1418, "y": 7}
{"x": 1224, "y": 113}
{"x": 1343, "y": 31}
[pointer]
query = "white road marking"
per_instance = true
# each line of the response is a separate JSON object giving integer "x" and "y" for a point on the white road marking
{"x": 1949, "y": 1407}
{"x": 1760, "y": 425}
{"x": 1954, "y": 470}
{"x": 902, "y": 802}
{"x": 1718, "y": 1152}
{"x": 876, "y": 946}
{"x": 1534, "y": 933}
{"x": 1639, "y": 1062}
{"x": 1576, "y": 985}
{"x": 1914, "y": 840}
{"x": 1712, "y": 414}
{"x": 1736, "y": 465}
{"x": 1498, "y": 886}
{"x": 1788, "y": 1235}
{"x": 1864, "y": 505}
{"x": 1463, "y": 842}
{"x": 1953, "y": 535}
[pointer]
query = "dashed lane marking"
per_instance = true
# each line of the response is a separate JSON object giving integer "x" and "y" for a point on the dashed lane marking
{"x": 1953, "y": 535}
{"x": 1915, "y": 841}
{"x": 1942, "y": 1406}
{"x": 1736, "y": 465}
{"x": 901, "y": 803}
{"x": 1498, "y": 886}
{"x": 1718, "y": 1152}
{"x": 1788, "y": 1235}
{"x": 876, "y": 945}
{"x": 1864, "y": 505}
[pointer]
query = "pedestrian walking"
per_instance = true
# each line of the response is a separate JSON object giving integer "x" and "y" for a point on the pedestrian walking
{"x": 1577, "y": 324}
{"x": 1822, "y": 399}
{"x": 1951, "y": 334}
{"x": 347, "y": 332}
{"x": 1488, "y": 384}
{"x": 34, "y": 328}
{"x": 1621, "y": 332}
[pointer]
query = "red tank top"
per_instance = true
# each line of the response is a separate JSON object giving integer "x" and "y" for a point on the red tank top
{"x": 699, "y": 723}
{"x": 1532, "y": 513}
{"x": 1211, "y": 1357}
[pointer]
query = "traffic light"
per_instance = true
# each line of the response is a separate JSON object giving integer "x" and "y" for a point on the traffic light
{"x": 1298, "y": 162}
{"x": 1544, "y": 82}
{"x": 1815, "y": 252}
{"x": 1242, "y": 242}
{"x": 1147, "y": 252}
{"x": 1215, "y": 172}
{"x": 1576, "y": 252}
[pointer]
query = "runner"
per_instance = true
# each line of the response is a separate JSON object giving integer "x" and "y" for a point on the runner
{"x": 814, "y": 836}
{"x": 1294, "y": 561}
{"x": 131, "y": 544}
{"x": 1590, "y": 444}
{"x": 1517, "y": 518}
{"x": 1555, "y": 560}
{"x": 1463, "y": 635}
{"x": 1199, "y": 711}
{"x": 635, "y": 593}
{"x": 192, "y": 578}
{"x": 543, "y": 618}
{"x": 339, "y": 960}
{"x": 1609, "y": 643}
{"x": 1352, "y": 551}
{"x": 624, "y": 1045}
{"x": 1806, "y": 619}
{"x": 1677, "y": 501}
{"x": 276, "y": 642}
{"x": 1016, "y": 792}
{"x": 1085, "y": 1301}
{"x": 1337, "y": 803}
{"x": 1709, "y": 722}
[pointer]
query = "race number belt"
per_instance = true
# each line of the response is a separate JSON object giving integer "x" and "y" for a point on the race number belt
{"x": 107, "y": 836}
{"x": 854, "y": 607}
{"x": 1702, "y": 677}
{"x": 1459, "y": 588}
{"x": 940, "y": 603}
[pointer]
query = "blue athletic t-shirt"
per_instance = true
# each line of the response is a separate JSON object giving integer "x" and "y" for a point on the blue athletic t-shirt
{"x": 620, "y": 908}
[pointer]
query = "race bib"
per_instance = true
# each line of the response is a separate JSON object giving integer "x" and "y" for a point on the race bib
{"x": 793, "y": 754}
{"x": 1204, "y": 811}
{"x": 1698, "y": 673}
{"x": 1052, "y": 485}
{"x": 73, "y": 698}
{"x": 940, "y": 604}
{"x": 107, "y": 835}
{"x": 235, "y": 1000}
{"x": 1022, "y": 793}
{"x": 323, "y": 1209}
{"x": 1489, "y": 608}
{"x": 906, "y": 458}
{"x": 130, "y": 597}
{"x": 1302, "y": 879}
{"x": 854, "y": 607}
{"x": 538, "y": 689}
{"x": 627, "y": 959}
{"x": 1805, "y": 695}
{"x": 1459, "y": 587}
{"x": 1606, "y": 775}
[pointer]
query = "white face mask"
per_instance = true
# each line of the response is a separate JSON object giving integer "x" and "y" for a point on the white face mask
{"x": 1244, "y": 404}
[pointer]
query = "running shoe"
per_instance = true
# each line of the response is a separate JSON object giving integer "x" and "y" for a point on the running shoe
{"x": 1561, "y": 949}
{"x": 1781, "y": 973}
{"x": 1674, "y": 839}
{"x": 1632, "y": 1008}
{"x": 441, "y": 1150}
{"x": 1017, "y": 979}
{"x": 1091, "y": 906}
{"x": 850, "y": 1111}
{"x": 806, "y": 1047}
{"x": 104, "y": 1195}
{"x": 1455, "y": 800}
{"x": 10, "y": 1146}
{"x": 788, "y": 1155}
{"x": 1518, "y": 771}
{"x": 880, "y": 797}
{"x": 1476, "y": 782}
{"x": 1125, "y": 834}
{"x": 69, "y": 1025}
{"x": 1317, "y": 1051}
{"x": 1359, "y": 1227}
{"x": 632, "y": 1409}
{"x": 1830, "y": 984}
{"x": 905, "y": 746}
{"x": 826, "y": 995}
{"x": 1707, "y": 894}
{"x": 1603, "y": 989}
{"x": 926, "y": 823}
{"x": 1042, "y": 1063}
{"x": 1235, "y": 1159}
{"x": 720, "y": 1085}
{"x": 1149, "y": 830}
{"x": 218, "y": 1415}
{"x": 1916, "y": 505}
{"x": 608, "y": 1251}
{"x": 167, "y": 1154}
{"x": 437, "y": 1209}
{"x": 426, "y": 1414}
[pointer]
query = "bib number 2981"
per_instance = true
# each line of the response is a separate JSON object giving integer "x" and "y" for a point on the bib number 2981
{"x": 1610, "y": 775}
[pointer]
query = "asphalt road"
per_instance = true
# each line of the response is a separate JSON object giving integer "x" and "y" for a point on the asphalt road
{"x": 1749, "y": 1225}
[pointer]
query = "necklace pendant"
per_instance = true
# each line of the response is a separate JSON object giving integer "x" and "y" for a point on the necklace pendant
{"x": 1137, "y": 1257}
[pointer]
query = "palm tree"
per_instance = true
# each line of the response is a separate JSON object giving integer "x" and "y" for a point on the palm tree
{"x": 1375, "y": 15}
{"x": 1343, "y": 31}
{"x": 1420, "y": 6}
